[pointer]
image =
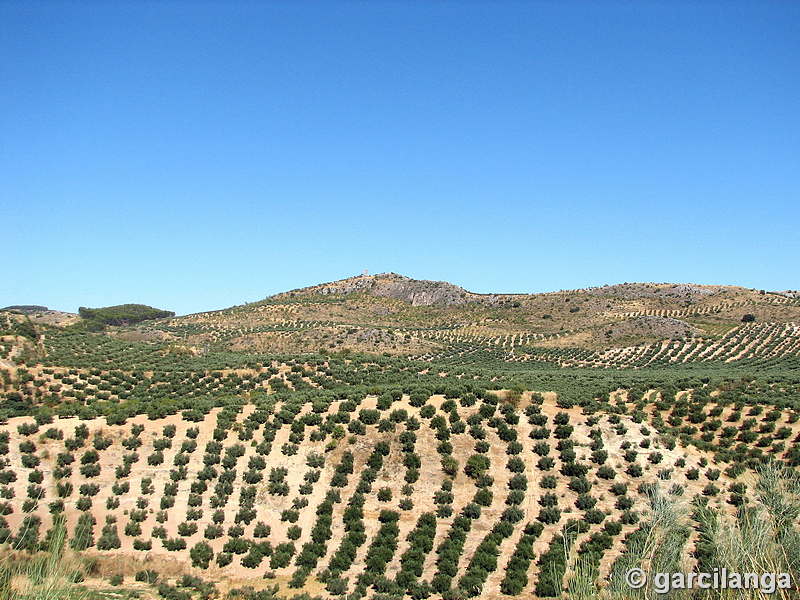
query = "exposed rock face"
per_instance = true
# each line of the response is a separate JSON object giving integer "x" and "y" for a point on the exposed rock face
{"x": 391, "y": 285}
{"x": 685, "y": 291}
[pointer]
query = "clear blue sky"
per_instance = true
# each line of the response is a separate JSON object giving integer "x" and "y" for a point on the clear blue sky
{"x": 197, "y": 155}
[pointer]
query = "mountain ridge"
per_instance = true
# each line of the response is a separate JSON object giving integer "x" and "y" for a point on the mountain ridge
{"x": 621, "y": 325}
{"x": 383, "y": 284}
{"x": 424, "y": 292}
{"x": 398, "y": 315}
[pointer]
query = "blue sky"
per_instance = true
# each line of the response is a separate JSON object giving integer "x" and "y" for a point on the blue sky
{"x": 198, "y": 155}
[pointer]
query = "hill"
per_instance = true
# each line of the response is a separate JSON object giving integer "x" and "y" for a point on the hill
{"x": 391, "y": 285}
{"x": 390, "y": 438}
{"x": 620, "y": 326}
{"x": 397, "y": 492}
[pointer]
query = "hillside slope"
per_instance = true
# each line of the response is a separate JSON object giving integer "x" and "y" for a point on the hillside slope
{"x": 392, "y": 314}
{"x": 331, "y": 495}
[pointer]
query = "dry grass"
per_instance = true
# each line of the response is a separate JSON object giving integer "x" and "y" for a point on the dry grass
{"x": 763, "y": 537}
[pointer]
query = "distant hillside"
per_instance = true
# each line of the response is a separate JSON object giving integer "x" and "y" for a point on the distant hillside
{"x": 683, "y": 291}
{"x": 393, "y": 314}
{"x": 619, "y": 326}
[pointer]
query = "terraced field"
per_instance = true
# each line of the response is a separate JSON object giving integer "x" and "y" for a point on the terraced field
{"x": 752, "y": 344}
{"x": 392, "y": 493}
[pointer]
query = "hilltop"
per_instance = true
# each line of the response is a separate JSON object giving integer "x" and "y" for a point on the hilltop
{"x": 391, "y": 285}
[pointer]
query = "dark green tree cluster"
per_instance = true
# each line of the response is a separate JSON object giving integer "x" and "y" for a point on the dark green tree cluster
{"x": 420, "y": 544}
{"x": 123, "y": 314}
{"x": 484, "y": 560}
{"x": 449, "y": 553}
{"x": 382, "y": 548}
{"x": 516, "y": 578}
{"x": 354, "y": 536}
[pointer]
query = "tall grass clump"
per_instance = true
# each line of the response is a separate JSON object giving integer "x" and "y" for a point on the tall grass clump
{"x": 582, "y": 579}
{"x": 657, "y": 546}
{"x": 45, "y": 575}
{"x": 761, "y": 536}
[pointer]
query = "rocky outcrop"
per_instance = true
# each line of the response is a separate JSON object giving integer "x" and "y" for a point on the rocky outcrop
{"x": 391, "y": 285}
{"x": 682, "y": 291}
